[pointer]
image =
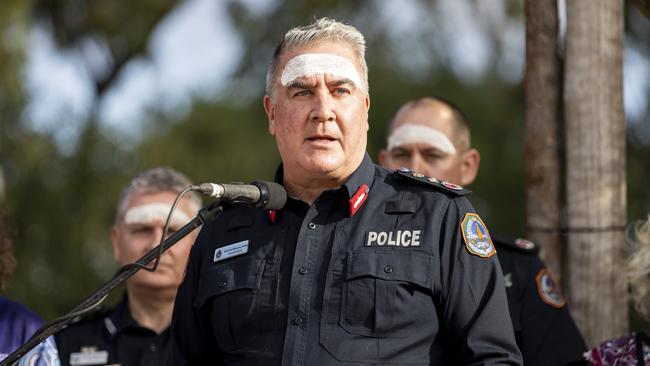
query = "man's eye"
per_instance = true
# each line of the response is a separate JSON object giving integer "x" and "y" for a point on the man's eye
{"x": 302, "y": 93}
{"x": 341, "y": 91}
{"x": 399, "y": 155}
{"x": 433, "y": 156}
{"x": 172, "y": 230}
{"x": 140, "y": 230}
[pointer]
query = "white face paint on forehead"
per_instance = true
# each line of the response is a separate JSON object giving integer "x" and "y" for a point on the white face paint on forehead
{"x": 411, "y": 133}
{"x": 152, "y": 213}
{"x": 309, "y": 64}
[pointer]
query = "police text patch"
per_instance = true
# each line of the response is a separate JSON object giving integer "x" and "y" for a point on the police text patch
{"x": 476, "y": 236}
{"x": 230, "y": 251}
{"x": 398, "y": 238}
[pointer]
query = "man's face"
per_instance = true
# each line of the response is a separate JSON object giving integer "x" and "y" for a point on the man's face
{"x": 140, "y": 230}
{"x": 318, "y": 114}
{"x": 425, "y": 143}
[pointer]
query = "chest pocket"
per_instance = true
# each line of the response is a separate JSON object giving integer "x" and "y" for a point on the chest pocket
{"x": 380, "y": 298}
{"x": 228, "y": 293}
{"x": 382, "y": 291}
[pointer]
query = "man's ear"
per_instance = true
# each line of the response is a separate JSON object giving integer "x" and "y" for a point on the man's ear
{"x": 471, "y": 159}
{"x": 367, "y": 100}
{"x": 269, "y": 108}
{"x": 383, "y": 158}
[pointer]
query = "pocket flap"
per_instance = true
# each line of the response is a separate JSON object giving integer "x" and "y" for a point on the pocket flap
{"x": 413, "y": 267}
{"x": 238, "y": 222}
{"x": 232, "y": 276}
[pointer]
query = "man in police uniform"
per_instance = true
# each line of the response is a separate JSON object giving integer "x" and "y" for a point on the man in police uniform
{"x": 431, "y": 136}
{"x": 363, "y": 265}
{"x": 136, "y": 332}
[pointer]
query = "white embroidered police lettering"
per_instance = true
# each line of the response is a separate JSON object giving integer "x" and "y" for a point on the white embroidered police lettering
{"x": 390, "y": 239}
{"x": 406, "y": 242}
{"x": 381, "y": 238}
{"x": 372, "y": 236}
{"x": 401, "y": 238}
{"x": 416, "y": 238}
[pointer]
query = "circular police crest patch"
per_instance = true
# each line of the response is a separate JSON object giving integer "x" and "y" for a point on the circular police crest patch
{"x": 548, "y": 289}
{"x": 476, "y": 236}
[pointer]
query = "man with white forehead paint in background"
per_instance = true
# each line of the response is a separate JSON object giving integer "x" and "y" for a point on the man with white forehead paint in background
{"x": 363, "y": 266}
{"x": 136, "y": 331}
{"x": 431, "y": 136}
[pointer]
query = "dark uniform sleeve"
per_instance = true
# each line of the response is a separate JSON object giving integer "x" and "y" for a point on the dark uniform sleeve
{"x": 475, "y": 319}
{"x": 548, "y": 336}
{"x": 193, "y": 342}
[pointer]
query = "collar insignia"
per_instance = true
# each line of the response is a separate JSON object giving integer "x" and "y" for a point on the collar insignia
{"x": 358, "y": 199}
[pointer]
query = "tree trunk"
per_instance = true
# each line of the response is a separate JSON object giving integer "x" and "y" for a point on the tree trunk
{"x": 596, "y": 191}
{"x": 542, "y": 132}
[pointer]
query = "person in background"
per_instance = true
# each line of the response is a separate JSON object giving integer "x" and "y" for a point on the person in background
{"x": 362, "y": 266}
{"x": 136, "y": 331}
{"x": 431, "y": 136}
{"x": 17, "y": 322}
{"x": 632, "y": 349}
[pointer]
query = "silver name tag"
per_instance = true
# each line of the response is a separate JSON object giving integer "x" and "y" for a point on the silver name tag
{"x": 230, "y": 251}
{"x": 89, "y": 358}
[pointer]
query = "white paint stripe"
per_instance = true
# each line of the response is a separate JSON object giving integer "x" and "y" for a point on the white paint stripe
{"x": 309, "y": 64}
{"x": 154, "y": 212}
{"x": 411, "y": 133}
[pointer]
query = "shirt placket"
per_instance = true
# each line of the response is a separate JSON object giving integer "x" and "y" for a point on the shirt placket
{"x": 301, "y": 288}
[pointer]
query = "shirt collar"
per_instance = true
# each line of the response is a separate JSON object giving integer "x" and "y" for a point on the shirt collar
{"x": 365, "y": 174}
{"x": 120, "y": 319}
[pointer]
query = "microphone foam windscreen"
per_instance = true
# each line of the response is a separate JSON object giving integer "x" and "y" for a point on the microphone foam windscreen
{"x": 277, "y": 195}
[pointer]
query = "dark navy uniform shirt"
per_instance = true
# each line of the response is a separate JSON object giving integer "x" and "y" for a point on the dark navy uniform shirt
{"x": 546, "y": 334}
{"x": 113, "y": 337}
{"x": 360, "y": 277}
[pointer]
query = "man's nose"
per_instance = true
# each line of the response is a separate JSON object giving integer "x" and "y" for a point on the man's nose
{"x": 417, "y": 164}
{"x": 323, "y": 107}
{"x": 157, "y": 234}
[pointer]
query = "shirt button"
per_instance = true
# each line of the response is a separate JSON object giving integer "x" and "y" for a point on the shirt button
{"x": 221, "y": 284}
{"x": 388, "y": 269}
{"x": 298, "y": 321}
{"x": 311, "y": 225}
{"x": 303, "y": 270}
{"x": 152, "y": 347}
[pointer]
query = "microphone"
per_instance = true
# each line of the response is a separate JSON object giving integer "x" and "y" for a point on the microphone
{"x": 260, "y": 194}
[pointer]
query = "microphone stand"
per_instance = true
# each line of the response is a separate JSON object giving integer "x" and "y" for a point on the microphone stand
{"x": 205, "y": 215}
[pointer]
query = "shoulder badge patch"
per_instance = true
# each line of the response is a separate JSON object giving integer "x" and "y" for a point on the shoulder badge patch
{"x": 432, "y": 182}
{"x": 548, "y": 289}
{"x": 476, "y": 236}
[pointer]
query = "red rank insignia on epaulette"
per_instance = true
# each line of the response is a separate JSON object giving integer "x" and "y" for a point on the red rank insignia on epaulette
{"x": 358, "y": 199}
{"x": 272, "y": 215}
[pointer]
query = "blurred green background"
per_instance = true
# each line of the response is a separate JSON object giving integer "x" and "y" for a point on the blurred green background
{"x": 64, "y": 165}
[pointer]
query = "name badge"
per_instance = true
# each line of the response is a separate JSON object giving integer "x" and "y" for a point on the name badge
{"x": 89, "y": 358}
{"x": 230, "y": 251}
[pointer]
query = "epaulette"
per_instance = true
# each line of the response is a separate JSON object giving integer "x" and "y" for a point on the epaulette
{"x": 519, "y": 244}
{"x": 432, "y": 182}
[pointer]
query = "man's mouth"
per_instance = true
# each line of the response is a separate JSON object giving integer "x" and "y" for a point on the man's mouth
{"x": 323, "y": 138}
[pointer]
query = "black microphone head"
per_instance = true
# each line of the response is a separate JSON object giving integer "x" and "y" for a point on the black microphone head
{"x": 273, "y": 195}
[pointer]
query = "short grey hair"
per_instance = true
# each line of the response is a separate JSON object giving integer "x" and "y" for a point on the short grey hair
{"x": 158, "y": 179}
{"x": 323, "y": 29}
{"x": 639, "y": 268}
